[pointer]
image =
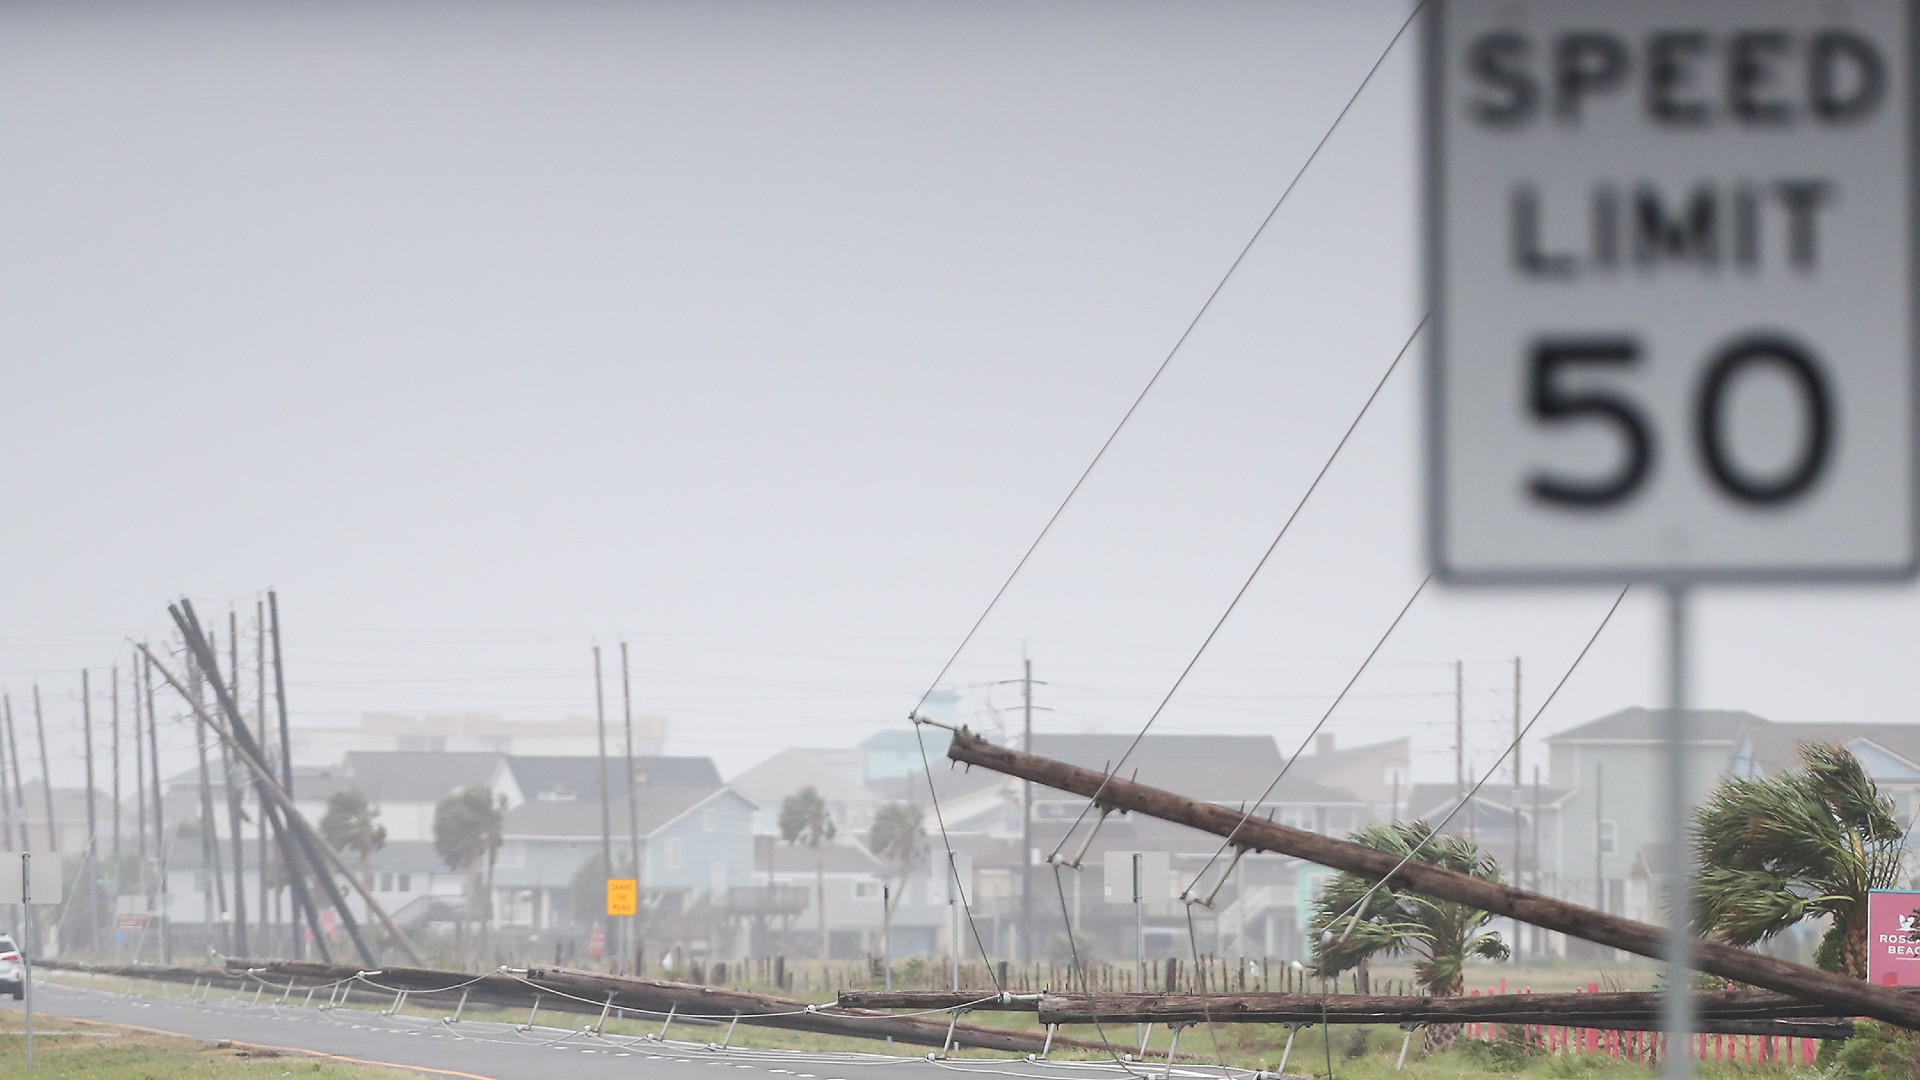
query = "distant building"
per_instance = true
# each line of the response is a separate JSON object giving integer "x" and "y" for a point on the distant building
{"x": 838, "y": 775}
{"x": 1606, "y": 845}
{"x": 466, "y": 733}
{"x": 695, "y": 840}
{"x": 69, "y": 833}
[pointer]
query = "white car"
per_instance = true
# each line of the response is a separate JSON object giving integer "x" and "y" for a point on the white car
{"x": 13, "y": 971}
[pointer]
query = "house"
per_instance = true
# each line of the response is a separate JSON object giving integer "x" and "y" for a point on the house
{"x": 1014, "y": 893}
{"x": 69, "y": 831}
{"x": 1602, "y": 845}
{"x": 897, "y": 752}
{"x": 694, "y": 835}
{"x": 406, "y": 785}
{"x": 1227, "y": 770}
{"x": 1614, "y": 769}
{"x": 1379, "y": 773}
{"x": 838, "y": 775}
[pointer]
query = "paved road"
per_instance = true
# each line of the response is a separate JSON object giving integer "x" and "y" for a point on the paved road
{"x": 476, "y": 1050}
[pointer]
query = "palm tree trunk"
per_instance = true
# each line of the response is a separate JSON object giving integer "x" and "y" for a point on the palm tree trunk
{"x": 1440, "y": 1037}
{"x": 1853, "y": 948}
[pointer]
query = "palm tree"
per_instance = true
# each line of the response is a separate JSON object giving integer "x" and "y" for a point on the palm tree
{"x": 352, "y": 824}
{"x": 1352, "y": 926}
{"x": 467, "y": 828}
{"x": 1771, "y": 851}
{"x": 804, "y": 820}
{"x": 899, "y": 836}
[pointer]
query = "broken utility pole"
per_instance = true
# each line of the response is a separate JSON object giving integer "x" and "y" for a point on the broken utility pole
{"x": 237, "y": 842}
{"x": 1249, "y": 833}
{"x": 160, "y": 845}
{"x": 286, "y": 741}
{"x": 281, "y": 803}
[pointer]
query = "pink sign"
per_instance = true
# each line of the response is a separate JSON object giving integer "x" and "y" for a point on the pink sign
{"x": 1893, "y": 938}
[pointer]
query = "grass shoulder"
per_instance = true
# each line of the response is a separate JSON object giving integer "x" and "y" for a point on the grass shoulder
{"x": 71, "y": 1048}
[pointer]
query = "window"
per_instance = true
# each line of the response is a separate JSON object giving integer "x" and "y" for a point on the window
{"x": 709, "y": 819}
{"x": 406, "y": 883}
{"x": 1608, "y": 831}
{"x": 866, "y": 890}
{"x": 671, "y": 853}
{"x": 383, "y": 882}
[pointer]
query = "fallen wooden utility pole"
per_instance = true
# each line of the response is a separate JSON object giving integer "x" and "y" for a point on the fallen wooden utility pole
{"x": 1851, "y": 996}
{"x": 564, "y": 990}
{"x": 1738, "y": 1012}
{"x": 934, "y": 999}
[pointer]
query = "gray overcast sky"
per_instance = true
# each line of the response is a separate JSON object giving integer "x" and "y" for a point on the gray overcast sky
{"x": 766, "y": 336}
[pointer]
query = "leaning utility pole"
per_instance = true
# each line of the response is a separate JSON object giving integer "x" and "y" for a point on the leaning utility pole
{"x": 633, "y": 807}
{"x": 1519, "y": 937}
{"x": 286, "y": 741}
{"x": 1026, "y": 815}
{"x": 1252, "y": 834}
{"x": 6, "y": 801}
{"x": 212, "y": 887}
{"x": 606, "y": 811}
{"x": 160, "y": 845}
{"x": 46, "y": 771}
{"x": 19, "y": 791}
{"x": 235, "y": 812}
{"x": 293, "y": 827}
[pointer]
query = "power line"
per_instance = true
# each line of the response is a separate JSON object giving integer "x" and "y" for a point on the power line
{"x": 1205, "y": 306}
{"x": 1359, "y": 905}
{"x": 1304, "y": 743}
{"x": 1251, "y": 577}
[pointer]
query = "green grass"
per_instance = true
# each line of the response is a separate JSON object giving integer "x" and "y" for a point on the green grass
{"x": 69, "y": 1048}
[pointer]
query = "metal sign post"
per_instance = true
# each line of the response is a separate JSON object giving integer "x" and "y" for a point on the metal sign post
{"x": 26, "y": 962}
{"x": 1679, "y": 1012}
{"x": 16, "y": 878}
{"x": 1139, "y": 946}
{"x": 1671, "y": 262}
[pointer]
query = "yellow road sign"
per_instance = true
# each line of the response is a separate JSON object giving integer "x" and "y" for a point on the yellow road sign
{"x": 623, "y": 896}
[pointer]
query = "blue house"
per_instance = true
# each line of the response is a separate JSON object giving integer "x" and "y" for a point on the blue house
{"x": 694, "y": 835}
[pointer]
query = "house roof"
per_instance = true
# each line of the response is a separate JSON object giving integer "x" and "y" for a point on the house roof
{"x": 1432, "y": 802}
{"x": 1776, "y": 746}
{"x": 773, "y": 855}
{"x": 69, "y": 804}
{"x": 1654, "y": 859}
{"x": 1367, "y": 766}
{"x": 948, "y": 783}
{"x": 656, "y": 807}
{"x": 420, "y": 776}
{"x": 837, "y": 774}
{"x": 579, "y": 775}
{"x": 1218, "y": 768}
{"x": 1639, "y": 724}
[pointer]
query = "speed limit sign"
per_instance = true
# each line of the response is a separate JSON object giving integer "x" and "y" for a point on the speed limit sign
{"x": 1670, "y": 256}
